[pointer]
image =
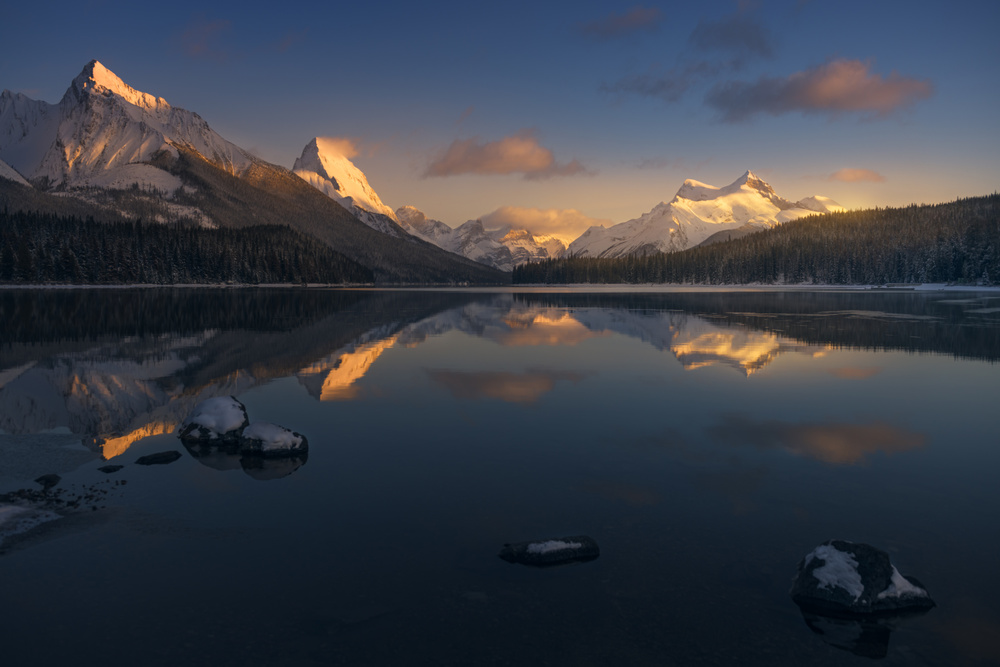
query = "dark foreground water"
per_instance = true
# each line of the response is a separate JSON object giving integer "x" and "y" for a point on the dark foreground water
{"x": 707, "y": 441}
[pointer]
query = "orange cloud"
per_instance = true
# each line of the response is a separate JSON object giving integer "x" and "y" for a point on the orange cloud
{"x": 565, "y": 224}
{"x": 618, "y": 25}
{"x": 856, "y": 175}
{"x": 833, "y": 443}
{"x": 520, "y": 153}
{"x": 525, "y": 387}
{"x": 345, "y": 146}
{"x": 839, "y": 86}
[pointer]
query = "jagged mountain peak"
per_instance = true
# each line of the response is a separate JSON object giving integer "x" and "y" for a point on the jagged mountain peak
{"x": 325, "y": 164}
{"x": 96, "y": 78}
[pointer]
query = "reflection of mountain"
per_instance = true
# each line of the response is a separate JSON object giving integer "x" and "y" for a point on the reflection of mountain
{"x": 120, "y": 365}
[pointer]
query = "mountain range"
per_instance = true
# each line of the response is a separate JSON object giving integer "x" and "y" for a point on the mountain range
{"x": 108, "y": 150}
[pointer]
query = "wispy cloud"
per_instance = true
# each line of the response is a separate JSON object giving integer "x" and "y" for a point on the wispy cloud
{"x": 739, "y": 35}
{"x": 834, "y": 88}
{"x": 567, "y": 223}
{"x": 202, "y": 38}
{"x": 856, "y": 175}
{"x": 517, "y": 154}
{"x": 634, "y": 20}
{"x": 670, "y": 85}
{"x": 346, "y": 146}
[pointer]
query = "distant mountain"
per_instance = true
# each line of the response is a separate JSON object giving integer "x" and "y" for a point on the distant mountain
{"x": 697, "y": 214}
{"x": 111, "y": 152}
{"x": 502, "y": 248}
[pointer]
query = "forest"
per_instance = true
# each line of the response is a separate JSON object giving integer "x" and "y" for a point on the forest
{"x": 38, "y": 248}
{"x": 957, "y": 242}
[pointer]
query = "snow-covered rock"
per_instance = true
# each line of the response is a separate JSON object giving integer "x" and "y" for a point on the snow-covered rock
{"x": 844, "y": 577}
{"x": 272, "y": 441}
{"x": 551, "y": 552}
{"x": 217, "y": 419}
{"x": 324, "y": 166}
{"x": 697, "y": 212}
{"x": 100, "y": 132}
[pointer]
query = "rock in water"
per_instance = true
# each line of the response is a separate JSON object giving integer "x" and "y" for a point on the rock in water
{"x": 840, "y": 577}
{"x": 272, "y": 441}
{"x": 217, "y": 419}
{"x": 551, "y": 552}
{"x": 108, "y": 469}
{"x": 159, "y": 458}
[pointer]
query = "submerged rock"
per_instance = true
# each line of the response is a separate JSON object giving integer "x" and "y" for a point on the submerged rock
{"x": 216, "y": 419}
{"x": 266, "y": 469}
{"x": 551, "y": 552}
{"x": 48, "y": 481}
{"x": 272, "y": 441}
{"x": 160, "y": 458}
{"x": 840, "y": 577}
{"x": 108, "y": 469}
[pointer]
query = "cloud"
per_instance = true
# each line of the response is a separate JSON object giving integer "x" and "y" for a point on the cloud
{"x": 833, "y": 443}
{"x": 620, "y": 25}
{"x": 839, "y": 86}
{"x": 856, "y": 175}
{"x": 290, "y": 39}
{"x": 201, "y": 38}
{"x": 525, "y": 387}
{"x": 346, "y": 146}
{"x": 739, "y": 35}
{"x": 566, "y": 223}
{"x": 519, "y": 153}
{"x": 669, "y": 86}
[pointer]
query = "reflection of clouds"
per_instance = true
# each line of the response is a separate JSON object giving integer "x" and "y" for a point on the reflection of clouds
{"x": 525, "y": 387}
{"x": 850, "y": 373}
{"x": 838, "y": 444}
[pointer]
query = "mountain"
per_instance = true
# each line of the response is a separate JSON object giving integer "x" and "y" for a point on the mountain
{"x": 698, "y": 213}
{"x": 324, "y": 166}
{"x": 111, "y": 152}
{"x": 502, "y": 248}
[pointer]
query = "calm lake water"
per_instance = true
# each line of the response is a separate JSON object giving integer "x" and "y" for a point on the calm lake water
{"x": 706, "y": 440}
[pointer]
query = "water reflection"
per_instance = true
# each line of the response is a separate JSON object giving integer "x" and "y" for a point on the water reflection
{"x": 136, "y": 362}
{"x": 228, "y": 457}
{"x": 864, "y": 637}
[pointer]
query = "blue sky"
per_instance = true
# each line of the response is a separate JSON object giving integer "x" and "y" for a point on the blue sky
{"x": 462, "y": 109}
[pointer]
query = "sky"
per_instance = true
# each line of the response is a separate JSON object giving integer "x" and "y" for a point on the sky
{"x": 557, "y": 115}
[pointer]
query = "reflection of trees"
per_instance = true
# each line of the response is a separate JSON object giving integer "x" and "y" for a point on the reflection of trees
{"x": 871, "y": 320}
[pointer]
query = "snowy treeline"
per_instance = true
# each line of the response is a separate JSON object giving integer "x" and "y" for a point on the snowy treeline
{"x": 955, "y": 242}
{"x": 40, "y": 248}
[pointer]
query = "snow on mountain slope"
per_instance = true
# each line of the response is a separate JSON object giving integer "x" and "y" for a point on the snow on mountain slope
{"x": 324, "y": 166}
{"x": 502, "y": 248}
{"x": 8, "y": 172}
{"x": 697, "y": 212}
{"x": 101, "y": 133}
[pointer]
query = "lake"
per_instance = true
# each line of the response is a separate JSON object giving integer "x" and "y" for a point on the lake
{"x": 706, "y": 440}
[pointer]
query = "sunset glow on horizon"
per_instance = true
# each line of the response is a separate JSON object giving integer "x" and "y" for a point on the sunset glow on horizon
{"x": 560, "y": 116}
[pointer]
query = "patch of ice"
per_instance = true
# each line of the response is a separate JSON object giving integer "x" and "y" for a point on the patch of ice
{"x": 551, "y": 545}
{"x": 15, "y": 520}
{"x": 272, "y": 436}
{"x": 840, "y": 570}
{"x": 900, "y": 586}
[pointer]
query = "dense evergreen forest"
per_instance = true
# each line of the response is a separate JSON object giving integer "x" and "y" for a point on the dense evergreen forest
{"x": 958, "y": 242}
{"x": 50, "y": 249}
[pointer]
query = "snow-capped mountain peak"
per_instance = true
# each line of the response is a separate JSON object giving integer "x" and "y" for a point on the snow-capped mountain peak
{"x": 98, "y": 79}
{"x": 324, "y": 165}
{"x": 697, "y": 212}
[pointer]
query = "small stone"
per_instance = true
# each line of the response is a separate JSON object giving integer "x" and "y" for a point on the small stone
{"x": 108, "y": 469}
{"x": 551, "y": 552}
{"x": 48, "y": 481}
{"x": 160, "y": 458}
